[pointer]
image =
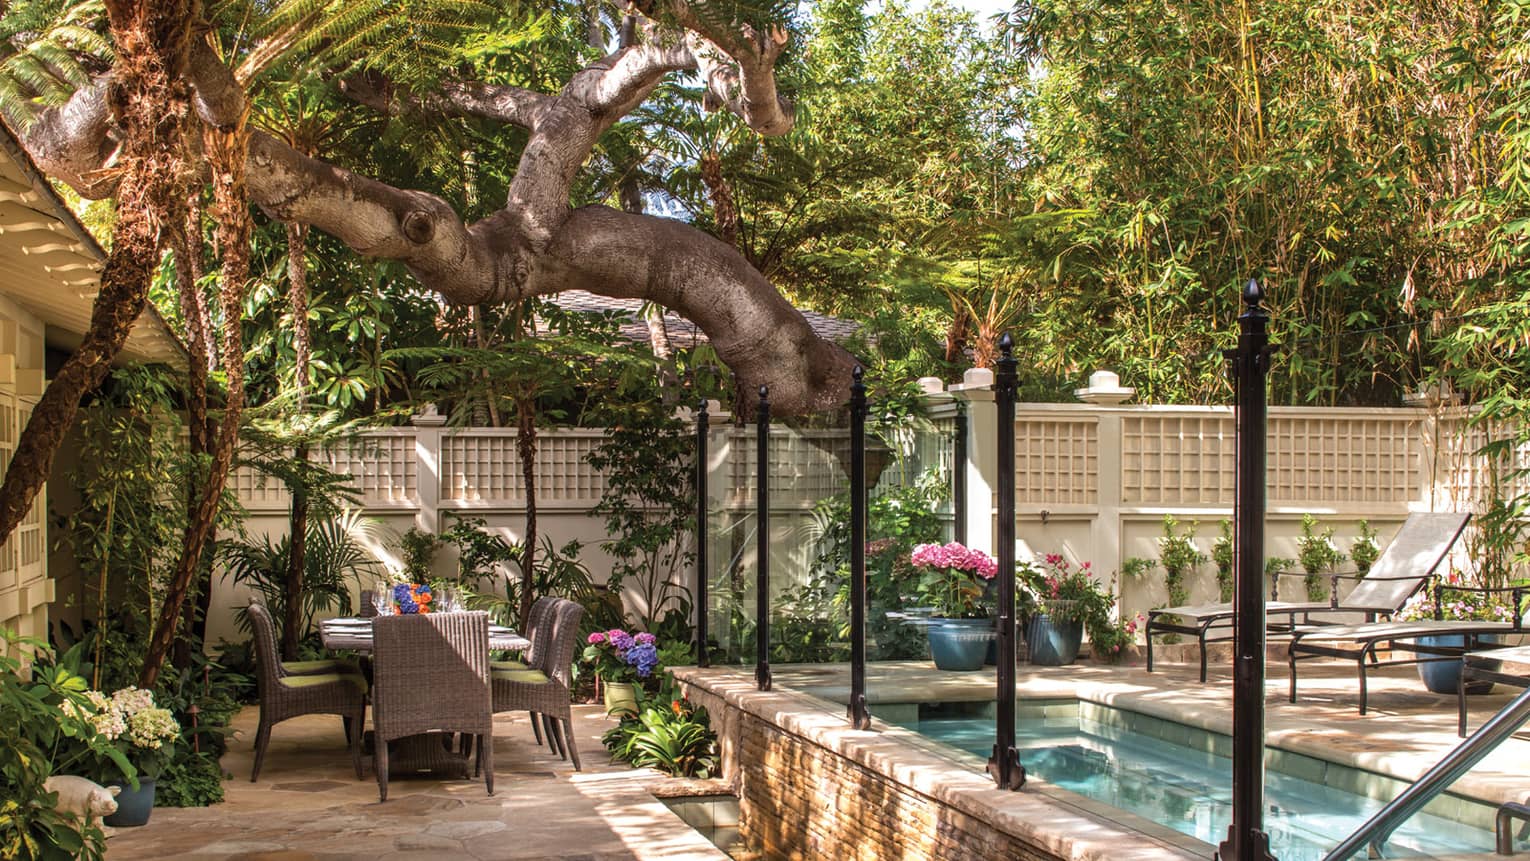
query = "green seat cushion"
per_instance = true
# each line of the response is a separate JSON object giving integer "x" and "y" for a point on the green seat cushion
{"x": 508, "y": 665}
{"x": 356, "y": 679}
{"x": 529, "y": 677}
{"x": 323, "y": 665}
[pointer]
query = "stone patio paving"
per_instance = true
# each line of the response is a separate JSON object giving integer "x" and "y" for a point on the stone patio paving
{"x": 309, "y": 805}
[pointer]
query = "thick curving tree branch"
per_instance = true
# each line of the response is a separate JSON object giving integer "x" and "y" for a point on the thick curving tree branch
{"x": 764, "y": 340}
{"x": 534, "y": 245}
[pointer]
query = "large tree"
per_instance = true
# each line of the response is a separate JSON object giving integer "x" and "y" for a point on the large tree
{"x": 537, "y": 243}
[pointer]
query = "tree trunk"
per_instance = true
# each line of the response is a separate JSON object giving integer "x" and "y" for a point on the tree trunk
{"x": 297, "y": 526}
{"x": 297, "y": 522}
{"x": 226, "y": 152}
{"x": 149, "y": 102}
{"x": 956, "y": 336}
{"x": 724, "y": 210}
{"x": 526, "y": 447}
{"x": 187, "y": 247}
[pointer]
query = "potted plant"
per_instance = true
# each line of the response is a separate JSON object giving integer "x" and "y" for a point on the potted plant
{"x": 952, "y": 581}
{"x": 1465, "y": 604}
{"x": 623, "y": 661}
{"x": 1058, "y": 601}
{"x": 144, "y": 735}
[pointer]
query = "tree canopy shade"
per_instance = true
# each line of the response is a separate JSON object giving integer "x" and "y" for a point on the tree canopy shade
{"x": 536, "y": 242}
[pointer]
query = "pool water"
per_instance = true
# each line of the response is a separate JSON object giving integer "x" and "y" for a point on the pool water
{"x": 1189, "y": 789}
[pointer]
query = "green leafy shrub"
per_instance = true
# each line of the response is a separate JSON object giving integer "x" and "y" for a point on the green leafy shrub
{"x": 1318, "y": 556}
{"x": 192, "y": 780}
{"x": 44, "y": 730}
{"x": 1179, "y": 557}
{"x": 1364, "y": 551}
{"x": 1222, "y": 557}
{"x": 667, "y": 733}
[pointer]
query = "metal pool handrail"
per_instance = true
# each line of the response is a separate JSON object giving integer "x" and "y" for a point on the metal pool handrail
{"x": 1467, "y": 754}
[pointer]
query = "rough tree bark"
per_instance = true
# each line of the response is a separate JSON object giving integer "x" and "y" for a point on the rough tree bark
{"x": 523, "y": 250}
{"x": 186, "y": 244}
{"x": 145, "y": 101}
{"x": 226, "y": 151}
{"x": 297, "y": 522}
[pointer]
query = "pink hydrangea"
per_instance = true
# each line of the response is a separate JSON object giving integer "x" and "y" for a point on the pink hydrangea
{"x": 957, "y": 557}
{"x": 596, "y": 638}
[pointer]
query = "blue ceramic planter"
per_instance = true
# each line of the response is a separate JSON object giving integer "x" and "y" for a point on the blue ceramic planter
{"x": 1444, "y": 677}
{"x": 133, "y": 805}
{"x": 959, "y": 644}
{"x": 1053, "y": 643}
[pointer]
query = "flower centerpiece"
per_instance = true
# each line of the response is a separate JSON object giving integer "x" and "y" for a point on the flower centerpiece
{"x": 953, "y": 580}
{"x": 412, "y": 598}
{"x": 623, "y": 661}
{"x": 144, "y": 734}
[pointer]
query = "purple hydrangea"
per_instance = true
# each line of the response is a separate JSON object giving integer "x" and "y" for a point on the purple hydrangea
{"x": 645, "y": 638}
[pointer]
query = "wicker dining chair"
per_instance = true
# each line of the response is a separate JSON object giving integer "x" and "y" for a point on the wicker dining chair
{"x": 316, "y": 667}
{"x": 539, "y": 632}
{"x": 431, "y": 675}
{"x": 285, "y": 694}
{"x": 545, "y": 692}
{"x": 368, "y": 608}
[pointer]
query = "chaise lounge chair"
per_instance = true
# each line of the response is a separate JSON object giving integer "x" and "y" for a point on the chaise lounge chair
{"x": 1418, "y": 548}
{"x": 1360, "y": 643}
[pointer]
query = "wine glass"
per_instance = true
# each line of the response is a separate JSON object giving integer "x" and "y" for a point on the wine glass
{"x": 382, "y": 598}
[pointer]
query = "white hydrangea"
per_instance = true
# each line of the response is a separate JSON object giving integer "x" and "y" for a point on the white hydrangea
{"x": 152, "y": 727}
{"x": 133, "y": 700}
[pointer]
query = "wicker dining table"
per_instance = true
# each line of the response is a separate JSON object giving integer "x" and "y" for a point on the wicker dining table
{"x": 355, "y": 635}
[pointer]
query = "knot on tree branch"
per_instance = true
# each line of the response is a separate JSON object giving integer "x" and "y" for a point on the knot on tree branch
{"x": 419, "y": 226}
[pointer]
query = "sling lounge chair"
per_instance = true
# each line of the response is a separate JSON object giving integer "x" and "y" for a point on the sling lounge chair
{"x": 1418, "y": 548}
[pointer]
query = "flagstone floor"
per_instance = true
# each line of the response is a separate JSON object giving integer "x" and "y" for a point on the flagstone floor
{"x": 309, "y": 805}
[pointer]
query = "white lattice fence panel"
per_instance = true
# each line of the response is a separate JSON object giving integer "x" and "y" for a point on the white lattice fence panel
{"x": 1467, "y": 477}
{"x": 1057, "y": 461}
{"x": 1177, "y": 459}
{"x": 805, "y": 467}
{"x": 256, "y": 491}
{"x": 1343, "y": 459}
{"x": 383, "y": 469}
{"x": 485, "y": 468}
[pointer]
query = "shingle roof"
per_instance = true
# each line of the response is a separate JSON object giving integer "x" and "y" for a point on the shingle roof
{"x": 682, "y": 332}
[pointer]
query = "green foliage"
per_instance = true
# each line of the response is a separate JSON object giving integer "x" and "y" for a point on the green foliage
{"x": 1364, "y": 550}
{"x": 48, "y": 49}
{"x": 190, "y": 781}
{"x": 334, "y": 559}
{"x": 1222, "y": 555}
{"x": 418, "y": 550}
{"x": 1318, "y": 556}
{"x": 649, "y": 508}
{"x": 668, "y": 734}
{"x": 1179, "y": 557}
{"x": 1064, "y": 593}
{"x": 41, "y": 716}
